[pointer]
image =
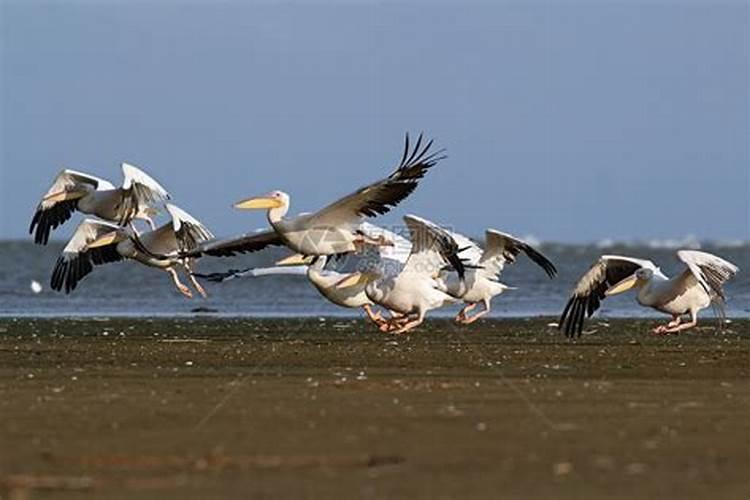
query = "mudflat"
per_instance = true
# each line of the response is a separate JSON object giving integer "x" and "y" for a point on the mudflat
{"x": 330, "y": 408}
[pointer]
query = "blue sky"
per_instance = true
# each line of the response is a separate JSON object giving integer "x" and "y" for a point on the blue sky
{"x": 572, "y": 121}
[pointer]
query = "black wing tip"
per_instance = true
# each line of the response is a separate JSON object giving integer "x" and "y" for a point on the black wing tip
{"x": 572, "y": 317}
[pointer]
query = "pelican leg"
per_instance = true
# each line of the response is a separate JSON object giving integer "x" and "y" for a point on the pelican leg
{"x": 684, "y": 326}
{"x": 661, "y": 329}
{"x": 182, "y": 288}
{"x": 189, "y": 270}
{"x": 374, "y": 316}
{"x": 471, "y": 319}
{"x": 411, "y": 324}
{"x": 394, "y": 323}
{"x": 461, "y": 316}
{"x": 362, "y": 241}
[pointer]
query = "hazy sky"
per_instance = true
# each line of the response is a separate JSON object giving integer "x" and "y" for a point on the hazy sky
{"x": 571, "y": 121}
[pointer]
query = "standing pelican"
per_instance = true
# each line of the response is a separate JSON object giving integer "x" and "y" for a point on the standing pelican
{"x": 697, "y": 287}
{"x": 483, "y": 268}
{"x": 96, "y": 242}
{"x": 91, "y": 195}
{"x": 335, "y": 228}
{"x": 417, "y": 288}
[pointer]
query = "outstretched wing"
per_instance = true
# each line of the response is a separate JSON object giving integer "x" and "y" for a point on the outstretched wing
{"x": 77, "y": 260}
{"x": 140, "y": 190}
{"x": 379, "y": 197}
{"x": 709, "y": 270}
{"x": 432, "y": 248}
{"x": 61, "y": 200}
{"x": 188, "y": 230}
{"x": 253, "y": 272}
{"x": 502, "y": 249}
{"x": 590, "y": 289}
{"x": 469, "y": 250}
{"x": 245, "y": 243}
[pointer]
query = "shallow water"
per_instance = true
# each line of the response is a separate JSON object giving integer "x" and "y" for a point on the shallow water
{"x": 129, "y": 289}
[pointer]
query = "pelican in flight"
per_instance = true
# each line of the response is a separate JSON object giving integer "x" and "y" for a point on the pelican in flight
{"x": 91, "y": 195}
{"x": 696, "y": 288}
{"x": 97, "y": 242}
{"x": 483, "y": 268}
{"x": 416, "y": 288}
{"x": 335, "y": 228}
{"x": 325, "y": 280}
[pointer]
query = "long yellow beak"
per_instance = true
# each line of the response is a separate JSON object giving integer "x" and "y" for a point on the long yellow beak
{"x": 295, "y": 260}
{"x": 622, "y": 286}
{"x": 354, "y": 279}
{"x": 103, "y": 241}
{"x": 257, "y": 203}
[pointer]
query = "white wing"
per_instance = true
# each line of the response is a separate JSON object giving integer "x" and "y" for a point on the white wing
{"x": 709, "y": 270}
{"x": 189, "y": 231}
{"x": 140, "y": 191}
{"x": 77, "y": 260}
{"x": 150, "y": 190}
{"x": 469, "y": 250}
{"x": 432, "y": 249}
{"x": 502, "y": 249}
{"x": 61, "y": 200}
{"x": 590, "y": 289}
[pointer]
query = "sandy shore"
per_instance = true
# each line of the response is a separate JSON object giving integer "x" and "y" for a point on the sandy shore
{"x": 226, "y": 408}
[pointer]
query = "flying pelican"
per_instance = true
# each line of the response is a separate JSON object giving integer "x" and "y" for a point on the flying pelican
{"x": 324, "y": 280}
{"x": 335, "y": 228}
{"x": 96, "y": 242}
{"x": 697, "y": 287}
{"x": 483, "y": 268}
{"x": 416, "y": 288}
{"x": 91, "y": 195}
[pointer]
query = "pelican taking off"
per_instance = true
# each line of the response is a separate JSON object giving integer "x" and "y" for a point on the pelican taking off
{"x": 96, "y": 242}
{"x": 325, "y": 280}
{"x": 91, "y": 195}
{"x": 696, "y": 288}
{"x": 335, "y": 228}
{"x": 483, "y": 268}
{"x": 417, "y": 288}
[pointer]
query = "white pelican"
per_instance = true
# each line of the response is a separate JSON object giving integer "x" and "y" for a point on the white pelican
{"x": 417, "y": 288}
{"x": 322, "y": 279}
{"x": 325, "y": 280}
{"x": 96, "y": 242}
{"x": 334, "y": 229}
{"x": 697, "y": 287}
{"x": 483, "y": 268}
{"x": 91, "y": 195}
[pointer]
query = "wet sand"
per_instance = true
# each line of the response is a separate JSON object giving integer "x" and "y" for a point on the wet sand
{"x": 238, "y": 408}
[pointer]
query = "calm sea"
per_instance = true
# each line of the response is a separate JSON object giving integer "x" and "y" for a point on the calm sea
{"x": 127, "y": 288}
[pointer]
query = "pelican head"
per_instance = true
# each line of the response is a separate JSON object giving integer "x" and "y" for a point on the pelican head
{"x": 637, "y": 279}
{"x": 274, "y": 199}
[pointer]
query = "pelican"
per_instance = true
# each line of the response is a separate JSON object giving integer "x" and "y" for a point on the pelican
{"x": 91, "y": 195}
{"x": 325, "y": 281}
{"x": 96, "y": 242}
{"x": 483, "y": 268}
{"x": 696, "y": 288}
{"x": 417, "y": 287}
{"x": 333, "y": 229}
